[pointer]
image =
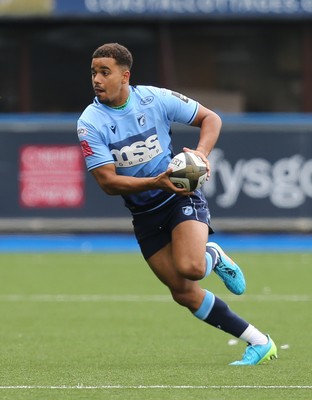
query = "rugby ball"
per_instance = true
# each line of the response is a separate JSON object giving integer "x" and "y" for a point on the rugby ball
{"x": 188, "y": 171}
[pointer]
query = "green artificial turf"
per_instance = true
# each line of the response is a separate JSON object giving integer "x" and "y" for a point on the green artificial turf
{"x": 101, "y": 326}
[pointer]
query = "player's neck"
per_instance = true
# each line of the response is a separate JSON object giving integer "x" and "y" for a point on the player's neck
{"x": 123, "y": 105}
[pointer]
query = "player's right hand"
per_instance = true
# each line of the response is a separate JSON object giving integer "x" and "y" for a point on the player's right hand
{"x": 164, "y": 183}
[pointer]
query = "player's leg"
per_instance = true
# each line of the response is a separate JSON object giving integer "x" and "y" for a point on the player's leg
{"x": 188, "y": 250}
{"x": 209, "y": 308}
{"x": 194, "y": 258}
{"x": 159, "y": 233}
{"x": 185, "y": 292}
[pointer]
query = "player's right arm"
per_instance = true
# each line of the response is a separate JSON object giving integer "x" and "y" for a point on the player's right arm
{"x": 99, "y": 161}
{"x": 114, "y": 184}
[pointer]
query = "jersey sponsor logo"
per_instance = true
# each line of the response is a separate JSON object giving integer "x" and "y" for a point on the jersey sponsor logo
{"x": 146, "y": 100}
{"x": 141, "y": 150}
{"x": 86, "y": 149}
{"x": 113, "y": 128}
{"x": 180, "y": 96}
{"x": 82, "y": 131}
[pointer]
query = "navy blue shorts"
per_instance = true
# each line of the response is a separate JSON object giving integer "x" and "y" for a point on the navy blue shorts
{"x": 153, "y": 228}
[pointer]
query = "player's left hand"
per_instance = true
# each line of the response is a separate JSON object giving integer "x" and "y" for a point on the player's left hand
{"x": 202, "y": 157}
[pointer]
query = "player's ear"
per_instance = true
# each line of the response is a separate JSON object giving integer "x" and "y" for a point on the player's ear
{"x": 125, "y": 76}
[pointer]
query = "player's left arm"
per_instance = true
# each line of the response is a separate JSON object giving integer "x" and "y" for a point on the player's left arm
{"x": 210, "y": 126}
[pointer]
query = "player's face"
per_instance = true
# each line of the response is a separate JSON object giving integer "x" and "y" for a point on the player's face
{"x": 109, "y": 81}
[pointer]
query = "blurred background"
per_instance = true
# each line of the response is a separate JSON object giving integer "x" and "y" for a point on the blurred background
{"x": 250, "y": 61}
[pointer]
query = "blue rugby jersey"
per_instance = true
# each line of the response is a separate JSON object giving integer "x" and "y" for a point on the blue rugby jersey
{"x": 137, "y": 139}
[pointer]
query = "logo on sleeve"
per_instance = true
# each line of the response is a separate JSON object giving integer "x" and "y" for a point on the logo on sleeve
{"x": 180, "y": 96}
{"x": 86, "y": 149}
{"x": 82, "y": 132}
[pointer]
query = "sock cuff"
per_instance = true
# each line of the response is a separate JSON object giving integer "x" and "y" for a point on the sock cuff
{"x": 211, "y": 259}
{"x": 206, "y": 306}
{"x": 208, "y": 265}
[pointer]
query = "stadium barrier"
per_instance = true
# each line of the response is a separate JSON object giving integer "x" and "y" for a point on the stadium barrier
{"x": 261, "y": 176}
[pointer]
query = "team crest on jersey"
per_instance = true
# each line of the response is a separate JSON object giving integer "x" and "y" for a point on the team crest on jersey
{"x": 187, "y": 210}
{"x": 146, "y": 100}
{"x": 180, "y": 96}
{"x": 141, "y": 119}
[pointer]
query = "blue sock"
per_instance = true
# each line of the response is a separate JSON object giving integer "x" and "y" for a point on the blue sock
{"x": 220, "y": 316}
{"x": 206, "y": 306}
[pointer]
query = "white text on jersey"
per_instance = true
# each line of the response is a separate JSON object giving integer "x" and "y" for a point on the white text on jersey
{"x": 137, "y": 153}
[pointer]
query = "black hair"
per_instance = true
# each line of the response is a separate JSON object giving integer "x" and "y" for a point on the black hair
{"x": 120, "y": 53}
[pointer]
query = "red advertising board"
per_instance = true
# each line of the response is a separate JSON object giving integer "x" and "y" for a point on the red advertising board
{"x": 51, "y": 176}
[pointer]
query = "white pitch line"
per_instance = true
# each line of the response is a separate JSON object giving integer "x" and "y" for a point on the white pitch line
{"x": 81, "y": 387}
{"x": 85, "y": 298}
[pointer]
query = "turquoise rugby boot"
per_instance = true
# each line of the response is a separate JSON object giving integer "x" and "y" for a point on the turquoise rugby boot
{"x": 257, "y": 354}
{"x": 228, "y": 271}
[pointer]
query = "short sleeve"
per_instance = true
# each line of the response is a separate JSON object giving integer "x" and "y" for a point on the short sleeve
{"x": 96, "y": 153}
{"x": 179, "y": 107}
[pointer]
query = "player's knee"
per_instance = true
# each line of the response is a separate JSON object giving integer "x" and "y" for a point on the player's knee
{"x": 192, "y": 269}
